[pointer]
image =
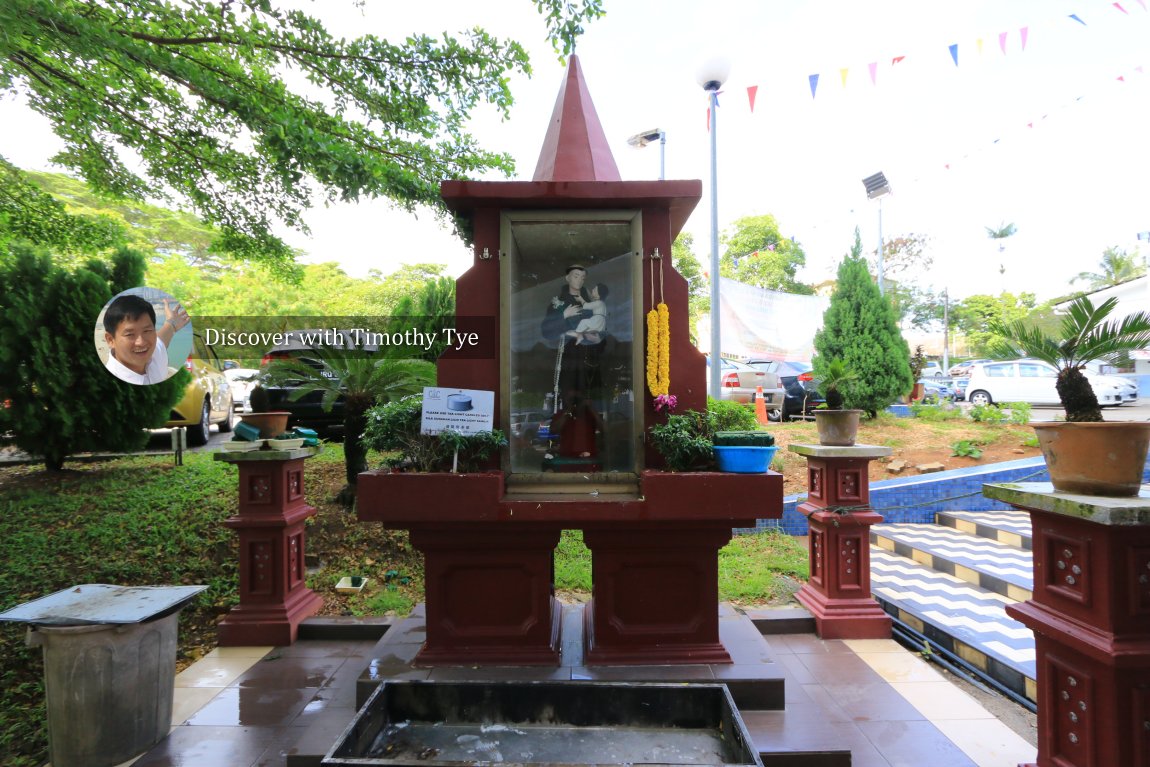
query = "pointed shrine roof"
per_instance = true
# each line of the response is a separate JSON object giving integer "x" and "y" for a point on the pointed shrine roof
{"x": 575, "y": 147}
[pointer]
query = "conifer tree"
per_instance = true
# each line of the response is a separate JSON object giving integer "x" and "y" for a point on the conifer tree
{"x": 861, "y": 329}
{"x": 59, "y": 398}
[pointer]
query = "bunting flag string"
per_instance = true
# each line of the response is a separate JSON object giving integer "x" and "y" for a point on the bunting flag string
{"x": 752, "y": 91}
{"x": 953, "y": 48}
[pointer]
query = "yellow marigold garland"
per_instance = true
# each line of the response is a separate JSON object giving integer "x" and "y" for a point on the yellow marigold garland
{"x": 658, "y": 343}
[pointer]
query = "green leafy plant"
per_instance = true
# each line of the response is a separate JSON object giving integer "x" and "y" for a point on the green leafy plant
{"x": 724, "y": 415}
{"x": 684, "y": 441}
{"x": 395, "y": 427}
{"x": 1030, "y": 441}
{"x": 935, "y": 411}
{"x": 966, "y": 448}
{"x": 917, "y": 363}
{"x": 834, "y": 377}
{"x": 743, "y": 439}
{"x": 1019, "y": 412}
{"x": 1086, "y": 334}
{"x": 987, "y": 414}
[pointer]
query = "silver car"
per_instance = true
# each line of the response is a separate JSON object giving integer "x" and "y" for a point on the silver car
{"x": 740, "y": 382}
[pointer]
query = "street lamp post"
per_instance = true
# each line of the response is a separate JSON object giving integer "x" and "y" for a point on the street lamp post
{"x": 878, "y": 187}
{"x": 711, "y": 76}
{"x": 640, "y": 140}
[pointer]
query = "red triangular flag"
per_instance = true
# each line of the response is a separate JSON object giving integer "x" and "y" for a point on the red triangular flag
{"x": 1142, "y": 3}
{"x": 1002, "y": 41}
{"x": 751, "y": 91}
{"x": 1119, "y": 7}
{"x": 1022, "y": 33}
{"x": 873, "y": 67}
{"x": 896, "y": 60}
{"x": 708, "y": 119}
{"x": 1122, "y": 78}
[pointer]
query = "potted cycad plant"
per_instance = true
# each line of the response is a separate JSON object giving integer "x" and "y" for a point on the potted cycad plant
{"x": 837, "y": 426}
{"x": 1084, "y": 454}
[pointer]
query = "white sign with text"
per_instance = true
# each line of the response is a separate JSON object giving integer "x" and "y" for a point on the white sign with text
{"x": 465, "y": 411}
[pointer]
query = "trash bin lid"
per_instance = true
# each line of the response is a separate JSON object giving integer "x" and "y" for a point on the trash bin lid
{"x": 100, "y": 603}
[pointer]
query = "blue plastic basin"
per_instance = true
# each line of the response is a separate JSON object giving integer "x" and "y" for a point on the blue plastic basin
{"x": 744, "y": 460}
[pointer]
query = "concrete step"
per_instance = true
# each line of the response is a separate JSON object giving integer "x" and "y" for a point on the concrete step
{"x": 958, "y": 616}
{"x": 1009, "y": 527}
{"x": 994, "y": 566}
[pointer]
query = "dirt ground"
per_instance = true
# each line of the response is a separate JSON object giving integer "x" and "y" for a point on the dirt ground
{"x": 912, "y": 441}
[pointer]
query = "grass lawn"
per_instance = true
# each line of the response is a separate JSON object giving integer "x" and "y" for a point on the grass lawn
{"x": 143, "y": 521}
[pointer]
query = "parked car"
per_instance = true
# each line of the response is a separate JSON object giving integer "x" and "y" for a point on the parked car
{"x": 800, "y": 390}
{"x": 963, "y": 368}
{"x": 935, "y": 391}
{"x": 241, "y": 381}
{"x": 1027, "y": 381}
{"x": 1128, "y": 388}
{"x": 958, "y": 388}
{"x": 532, "y": 425}
{"x": 740, "y": 383}
{"x": 932, "y": 370}
{"x": 208, "y": 398}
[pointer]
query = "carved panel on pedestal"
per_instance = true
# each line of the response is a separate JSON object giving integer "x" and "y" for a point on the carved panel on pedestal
{"x": 295, "y": 560}
{"x": 1141, "y": 725}
{"x": 849, "y": 486}
{"x": 1068, "y": 572}
{"x": 818, "y": 547}
{"x": 259, "y": 489}
{"x": 295, "y": 484}
{"x": 1072, "y": 718}
{"x": 1140, "y": 581}
{"x": 850, "y": 574}
{"x": 815, "y": 481}
{"x": 261, "y": 566}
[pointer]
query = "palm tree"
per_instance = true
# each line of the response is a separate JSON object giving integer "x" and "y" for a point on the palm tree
{"x": 358, "y": 378}
{"x": 1116, "y": 267}
{"x": 999, "y": 234}
{"x": 1085, "y": 335}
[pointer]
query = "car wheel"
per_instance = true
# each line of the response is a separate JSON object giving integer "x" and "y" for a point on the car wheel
{"x": 980, "y": 398}
{"x": 775, "y": 415}
{"x": 229, "y": 419}
{"x": 198, "y": 434}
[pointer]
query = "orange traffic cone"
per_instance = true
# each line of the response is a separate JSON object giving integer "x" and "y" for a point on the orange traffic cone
{"x": 760, "y": 406}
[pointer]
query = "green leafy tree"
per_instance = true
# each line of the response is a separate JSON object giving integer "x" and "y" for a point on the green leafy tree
{"x": 32, "y": 214}
{"x": 975, "y": 315}
{"x": 1116, "y": 267}
{"x": 756, "y": 254}
{"x": 361, "y": 380}
{"x": 860, "y": 329}
{"x": 62, "y": 400}
{"x": 431, "y": 310}
{"x": 687, "y": 264}
{"x": 196, "y": 91}
{"x": 1000, "y": 234}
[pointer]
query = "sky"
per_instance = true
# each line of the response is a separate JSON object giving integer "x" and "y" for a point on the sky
{"x": 1050, "y": 136}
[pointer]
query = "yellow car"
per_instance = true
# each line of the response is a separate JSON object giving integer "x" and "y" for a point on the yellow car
{"x": 208, "y": 398}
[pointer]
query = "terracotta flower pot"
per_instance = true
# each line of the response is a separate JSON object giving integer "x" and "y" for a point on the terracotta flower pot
{"x": 838, "y": 428}
{"x": 270, "y": 424}
{"x": 1095, "y": 458}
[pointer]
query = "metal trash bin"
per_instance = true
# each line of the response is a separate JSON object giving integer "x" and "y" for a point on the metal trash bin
{"x": 109, "y": 668}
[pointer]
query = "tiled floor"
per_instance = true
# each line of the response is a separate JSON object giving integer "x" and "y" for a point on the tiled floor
{"x": 245, "y": 707}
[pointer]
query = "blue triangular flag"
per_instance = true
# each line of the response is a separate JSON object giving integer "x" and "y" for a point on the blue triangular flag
{"x": 1075, "y": 17}
{"x": 954, "y": 53}
{"x": 814, "y": 84}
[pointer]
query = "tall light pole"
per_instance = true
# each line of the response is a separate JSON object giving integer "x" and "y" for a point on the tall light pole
{"x": 711, "y": 76}
{"x": 878, "y": 187}
{"x": 640, "y": 140}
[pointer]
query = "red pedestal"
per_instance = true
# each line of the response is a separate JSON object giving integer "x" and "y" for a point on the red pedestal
{"x": 270, "y": 524}
{"x": 1090, "y": 613}
{"x": 489, "y": 572}
{"x": 838, "y": 591}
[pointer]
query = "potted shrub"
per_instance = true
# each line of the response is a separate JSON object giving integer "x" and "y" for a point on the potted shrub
{"x": 1084, "y": 454}
{"x": 836, "y": 425}
{"x": 744, "y": 452}
{"x": 686, "y": 441}
{"x": 271, "y": 423}
{"x": 917, "y": 364}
